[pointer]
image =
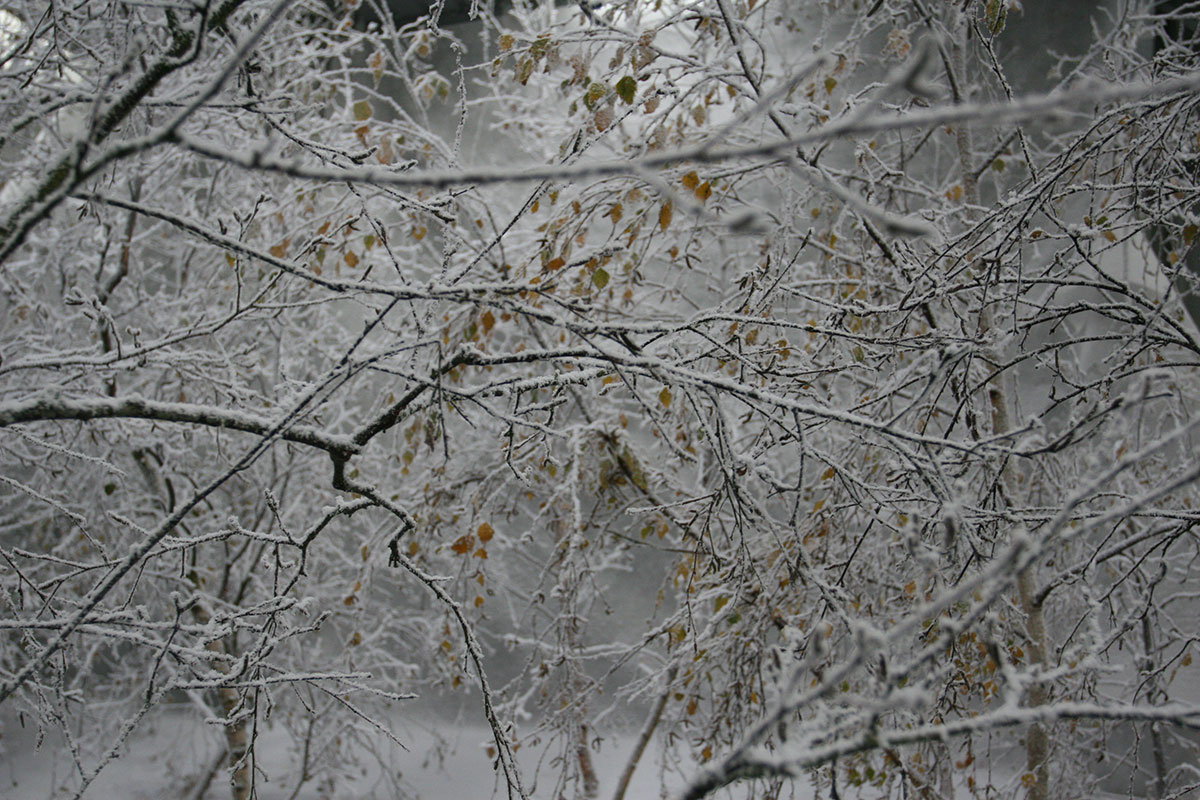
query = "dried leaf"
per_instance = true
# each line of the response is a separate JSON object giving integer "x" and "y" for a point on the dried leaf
{"x": 604, "y": 118}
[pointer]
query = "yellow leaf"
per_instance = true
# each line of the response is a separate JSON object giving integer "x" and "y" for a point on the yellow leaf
{"x": 690, "y": 181}
{"x": 664, "y": 216}
{"x": 664, "y": 397}
{"x": 489, "y": 321}
{"x": 351, "y": 258}
{"x": 280, "y": 250}
{"x": 478, "y": 601}
{"x": 463, "y": 544}
{"x": 557, "y": 263}
{"x": 362, "y": 110}
{"x": 419, "y": 232}
{"x": 704, "y": 191}
{"x": 829, "y": 473}
{"x": 485, "y": 532}
{"x": 506, "y": 42}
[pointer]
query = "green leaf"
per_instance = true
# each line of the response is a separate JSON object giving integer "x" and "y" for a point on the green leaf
{"x": 996, "y": 14}
{"x": 627, "y": 88}
{"x": 600, "y": 277}
{"x": 362, "y": 110}
{"x": 524, "y": 70}
{"x": 594, "y": 94}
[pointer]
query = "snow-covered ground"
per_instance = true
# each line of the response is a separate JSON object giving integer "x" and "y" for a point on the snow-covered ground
{"x": 164, "y": 760}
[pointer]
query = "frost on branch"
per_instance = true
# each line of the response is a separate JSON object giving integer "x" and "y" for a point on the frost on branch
{"x": 798, "y": 390}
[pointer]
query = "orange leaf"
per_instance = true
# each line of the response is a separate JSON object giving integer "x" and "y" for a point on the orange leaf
{"x": 664, "y": 216}
{"x": 463, "y": 544}
{"x": 557, "y": 263}
{"x": 485, "y": 532}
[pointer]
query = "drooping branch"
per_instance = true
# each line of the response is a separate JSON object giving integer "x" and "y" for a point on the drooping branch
{"x": 43, "y": 409}
{"x": 1028, "y": 108}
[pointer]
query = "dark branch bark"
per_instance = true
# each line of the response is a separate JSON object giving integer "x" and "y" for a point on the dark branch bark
{"x": 55, "y": 408}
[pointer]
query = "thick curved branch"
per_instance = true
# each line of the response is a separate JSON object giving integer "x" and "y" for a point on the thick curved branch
{"x": 57, "y": 408}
